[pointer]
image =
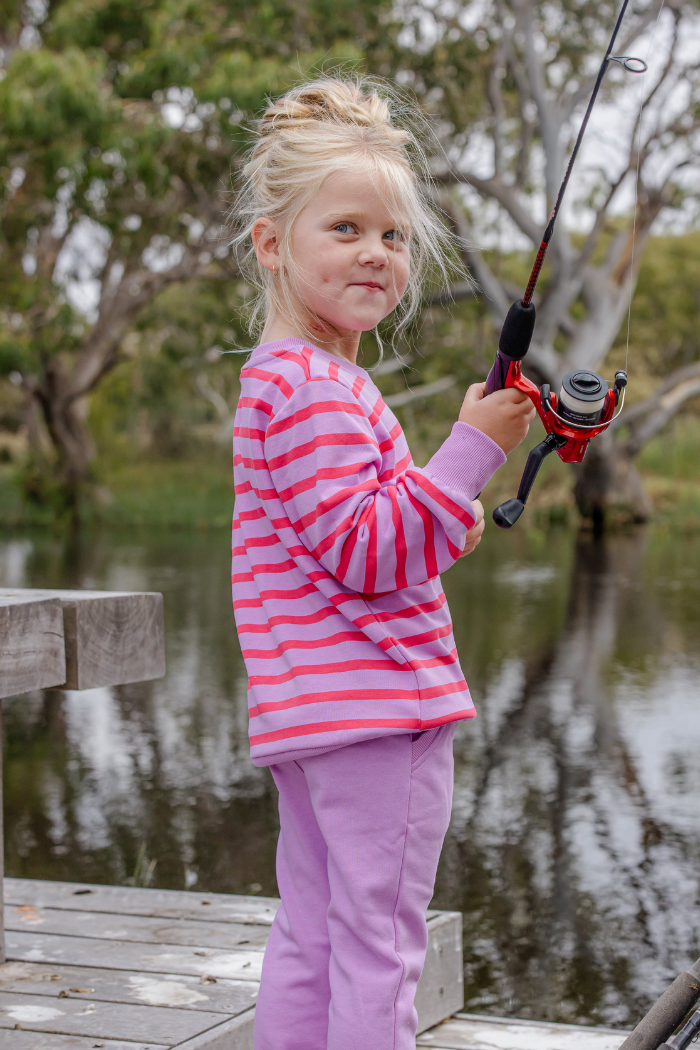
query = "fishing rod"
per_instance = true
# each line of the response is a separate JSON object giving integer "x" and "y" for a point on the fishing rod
{"x": 585, "y": 405}
{"x": 655, "y": 1030}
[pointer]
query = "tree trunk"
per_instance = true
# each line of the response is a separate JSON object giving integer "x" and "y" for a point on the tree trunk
{"x": 608, "y": 485}
{"x": 73, "y": 446}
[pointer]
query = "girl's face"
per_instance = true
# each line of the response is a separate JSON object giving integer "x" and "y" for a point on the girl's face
{"x": 351, "y": 261}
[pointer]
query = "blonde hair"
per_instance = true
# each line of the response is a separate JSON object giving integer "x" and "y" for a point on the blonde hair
{"x": 320, "y": 127}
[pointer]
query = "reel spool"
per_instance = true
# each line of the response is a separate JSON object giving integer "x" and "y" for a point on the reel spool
{"x": 582, "y": 398}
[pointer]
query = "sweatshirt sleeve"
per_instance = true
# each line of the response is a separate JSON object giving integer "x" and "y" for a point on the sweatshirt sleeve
{"x": 372, "y": 533}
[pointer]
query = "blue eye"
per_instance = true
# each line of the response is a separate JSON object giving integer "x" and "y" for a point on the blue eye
{"x": 390, "y": 235}
{"x": 343, "y": 227}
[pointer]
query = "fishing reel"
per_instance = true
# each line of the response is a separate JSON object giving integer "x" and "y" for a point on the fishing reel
{"x": 583, "y": 408}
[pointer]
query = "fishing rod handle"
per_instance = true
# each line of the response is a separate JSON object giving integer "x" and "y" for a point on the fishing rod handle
{"x": 513, "y": 344}
{"x": 667, "y": 1012}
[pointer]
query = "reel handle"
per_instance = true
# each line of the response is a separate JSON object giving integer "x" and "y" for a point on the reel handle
{"x": 508, "y": 513}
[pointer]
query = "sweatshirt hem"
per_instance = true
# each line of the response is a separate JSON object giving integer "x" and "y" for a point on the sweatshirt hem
{"x": 412, "y": 725}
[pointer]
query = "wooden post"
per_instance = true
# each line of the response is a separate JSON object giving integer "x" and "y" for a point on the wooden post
{"x": 32, "y": 648}
{"x": 109, "y": 637}
{"x": 75, "y": 640}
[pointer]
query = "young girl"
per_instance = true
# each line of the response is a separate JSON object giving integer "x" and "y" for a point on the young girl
{"x": 338, "y": 542}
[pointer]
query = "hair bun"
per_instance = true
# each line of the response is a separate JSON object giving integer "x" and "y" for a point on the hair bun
{"x": 332, "y": 101}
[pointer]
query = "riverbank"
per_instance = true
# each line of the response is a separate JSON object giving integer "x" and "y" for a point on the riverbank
{"x": 197, "y": 491}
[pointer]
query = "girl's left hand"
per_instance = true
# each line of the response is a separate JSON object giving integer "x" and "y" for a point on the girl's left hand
{"x": 474, "y": 534}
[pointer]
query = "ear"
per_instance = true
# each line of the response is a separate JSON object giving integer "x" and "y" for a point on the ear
{"x": 267, "y": 243}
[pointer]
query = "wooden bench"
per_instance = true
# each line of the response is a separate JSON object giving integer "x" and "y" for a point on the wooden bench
{"x": 75, "y": 640}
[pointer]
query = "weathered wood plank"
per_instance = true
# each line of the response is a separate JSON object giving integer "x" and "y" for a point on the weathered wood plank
{"x": 127, "y": 900}
{"x": 137, "y": 928}
{"x": 158, "y": 937}
{"x": 111, "y": 637}
{"x": 86, "y": 1016}
{"x": 32, "y": 651}
{"x": 232, "y": 1035}
{"x": 238, "y": 965}
{"x": 440, "y": 990}
{"x": 181, "y": 991}
{"x": 472, "y": 1032}
{"x": 20, "y": 1040}
{"x": 2, "y": 850}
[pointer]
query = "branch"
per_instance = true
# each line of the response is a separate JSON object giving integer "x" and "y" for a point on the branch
{"x": 392, "y": 364}
{"x": 548, "y": 112}
{"x": 495, "y": 97}
{"x": 658, "y": 410}
{"x": 136, "y": 288}
{"x": 220, "y": 404}
{"x": 419, "y": 392}
{"x": 456, "y": 292}
{"x": 499, "y": 191}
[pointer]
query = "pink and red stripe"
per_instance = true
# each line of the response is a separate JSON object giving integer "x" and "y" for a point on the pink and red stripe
{"x": 343, "y": 622}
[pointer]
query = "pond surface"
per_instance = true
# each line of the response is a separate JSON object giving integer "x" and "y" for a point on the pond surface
{"x": 574, "y": 851}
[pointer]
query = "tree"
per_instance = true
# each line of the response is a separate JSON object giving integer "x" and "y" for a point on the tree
{"x": 120, "y": 124}
{"x": 536, "y": 64}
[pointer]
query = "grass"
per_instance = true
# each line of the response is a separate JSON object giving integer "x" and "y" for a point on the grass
{"x": 198, "y": 491}
{"x": 170, "y": 492}
{"x": 187, "y": 493}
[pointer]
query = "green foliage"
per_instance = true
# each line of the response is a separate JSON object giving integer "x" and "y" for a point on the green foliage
{"x": 664, "y": 332}
{"x": 674, "y": 453}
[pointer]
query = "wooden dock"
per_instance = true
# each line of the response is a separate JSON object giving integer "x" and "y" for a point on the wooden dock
{"x": 142, "y": 969}
{"x": 477, "y": 1032}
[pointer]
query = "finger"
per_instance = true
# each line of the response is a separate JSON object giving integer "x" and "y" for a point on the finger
{"x": 475, "y": 392}
{"x": 474, "y": 533}
{"x": 515, "y": 396}
{"x": 472, "y": 542}
{"x": 479, "y": 509}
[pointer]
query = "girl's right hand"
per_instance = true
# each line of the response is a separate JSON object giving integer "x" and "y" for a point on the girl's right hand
{"x": 504, "y": 416}
{"x": 474, "y": 534}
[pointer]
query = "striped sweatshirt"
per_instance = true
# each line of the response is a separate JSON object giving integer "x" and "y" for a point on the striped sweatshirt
{"x": 338, "y": 545}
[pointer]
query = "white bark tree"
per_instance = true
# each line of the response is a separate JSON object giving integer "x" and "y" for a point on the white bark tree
{"x": 538, "y": 66}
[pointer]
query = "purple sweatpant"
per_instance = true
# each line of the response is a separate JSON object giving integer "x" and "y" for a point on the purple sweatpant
{"x": 361, "y": 830}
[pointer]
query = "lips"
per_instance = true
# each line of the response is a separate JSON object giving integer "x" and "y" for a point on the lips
{"x": 372, "y": 285}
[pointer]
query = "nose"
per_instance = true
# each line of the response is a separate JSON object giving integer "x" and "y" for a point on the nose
{"x": 373, "y": 252}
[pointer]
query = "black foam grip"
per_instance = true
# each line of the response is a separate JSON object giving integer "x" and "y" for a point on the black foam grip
{"x": 517, "y": 330}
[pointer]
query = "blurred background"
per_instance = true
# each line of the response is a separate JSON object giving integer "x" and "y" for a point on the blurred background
{"x": 575, "y": 846}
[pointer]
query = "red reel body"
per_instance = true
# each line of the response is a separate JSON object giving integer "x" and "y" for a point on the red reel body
{"x": 577, "y": 438}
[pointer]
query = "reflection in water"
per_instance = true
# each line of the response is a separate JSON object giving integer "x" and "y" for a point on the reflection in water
{"x": 574, "y": 851}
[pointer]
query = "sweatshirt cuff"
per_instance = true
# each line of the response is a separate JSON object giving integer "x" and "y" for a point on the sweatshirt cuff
{"x": 466, "y": 461}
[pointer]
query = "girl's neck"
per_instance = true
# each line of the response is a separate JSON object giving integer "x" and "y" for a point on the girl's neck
{"x": 342, "y": 343}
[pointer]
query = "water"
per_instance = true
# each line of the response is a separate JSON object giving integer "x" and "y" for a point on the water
{"x": 574, "y": 851}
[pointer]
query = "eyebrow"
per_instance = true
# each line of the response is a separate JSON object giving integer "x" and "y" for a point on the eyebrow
{"x": 348, "y": 216}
